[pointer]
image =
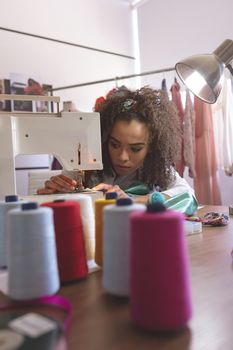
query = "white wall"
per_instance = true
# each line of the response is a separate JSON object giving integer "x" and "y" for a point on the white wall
{"x": 102, "y": 24}
{"x": 172, "y": 30}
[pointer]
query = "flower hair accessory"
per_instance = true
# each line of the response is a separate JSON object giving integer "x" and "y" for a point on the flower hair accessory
{"x": 99, "y": 104}
{"x": 128, "y": 104}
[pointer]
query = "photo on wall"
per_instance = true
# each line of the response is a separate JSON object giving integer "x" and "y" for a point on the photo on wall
{"x": 23, "y": 85}
{"x": 5, "y": 106}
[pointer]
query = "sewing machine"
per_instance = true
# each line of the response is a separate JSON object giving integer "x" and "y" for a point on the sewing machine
{"x": 74, "y": 138}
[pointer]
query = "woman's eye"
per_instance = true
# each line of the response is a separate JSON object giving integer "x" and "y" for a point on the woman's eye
{"x": 113, "y": 144}
{"x": 136, "y": 149}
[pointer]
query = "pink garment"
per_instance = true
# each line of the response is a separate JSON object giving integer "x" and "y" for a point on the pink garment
{"x": 176, "y": 98}
{"x": 206, "y": 182}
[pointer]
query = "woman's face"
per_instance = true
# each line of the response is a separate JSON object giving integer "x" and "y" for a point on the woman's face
{"x": 128, "y": 146}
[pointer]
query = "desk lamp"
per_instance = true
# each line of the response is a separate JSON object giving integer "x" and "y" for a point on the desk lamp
{"x": 202, "y": 73}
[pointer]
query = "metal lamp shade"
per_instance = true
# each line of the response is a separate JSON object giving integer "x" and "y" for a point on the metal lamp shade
{"x": 202, "y": 73}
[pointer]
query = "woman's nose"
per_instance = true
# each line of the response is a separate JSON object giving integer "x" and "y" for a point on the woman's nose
{"x": 124, "y": 155}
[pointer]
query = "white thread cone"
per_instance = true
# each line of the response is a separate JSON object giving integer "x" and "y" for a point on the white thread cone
{"x": 32, "y": 258}
{"x": 4, "y": 208}
{"x": 116, "y": 247}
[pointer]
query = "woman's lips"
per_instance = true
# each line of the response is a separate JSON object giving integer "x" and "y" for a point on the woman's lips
{"x": 122, "y": 167}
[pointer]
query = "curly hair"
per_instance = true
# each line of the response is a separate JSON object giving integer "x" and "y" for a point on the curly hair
{"x": 153, "y": 108}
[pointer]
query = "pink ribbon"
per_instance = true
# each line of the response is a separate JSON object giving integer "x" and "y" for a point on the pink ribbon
{"x": 55, "y": 301}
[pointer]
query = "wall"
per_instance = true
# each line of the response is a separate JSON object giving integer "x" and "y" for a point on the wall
{"x": 172, "y": 30}
{"x": 101, "y": 24}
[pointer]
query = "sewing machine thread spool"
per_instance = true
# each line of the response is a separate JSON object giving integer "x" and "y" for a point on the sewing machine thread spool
{"x": 11, "y": 202}
{"x": 31, "y": 248}
{"x": 116, "y": 245}
{"x": 159, "y": 258}
{"x": 88, "y": 221}
{"x": 110, "y": 198}
{"x": 72, "y": 261}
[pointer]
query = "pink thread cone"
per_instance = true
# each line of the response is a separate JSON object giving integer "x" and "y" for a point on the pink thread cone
{"x": 159, "y": 272}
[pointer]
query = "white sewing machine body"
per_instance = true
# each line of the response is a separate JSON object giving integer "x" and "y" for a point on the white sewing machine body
{"x": 74, "y": 138}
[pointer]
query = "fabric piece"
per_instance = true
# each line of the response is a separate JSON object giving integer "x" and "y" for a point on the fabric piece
{"x": 206, "y": 183}
{"x": 223, "y": 127}
{"x": 139, "y": 189}
{"x": 214, "y": 218}
{"x": 189, "y": 136}
{"x": 185, "y": 203}
{"x": 164, "y": 88}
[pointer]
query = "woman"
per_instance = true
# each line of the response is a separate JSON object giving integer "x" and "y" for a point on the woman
{"x": 140, "y": 141}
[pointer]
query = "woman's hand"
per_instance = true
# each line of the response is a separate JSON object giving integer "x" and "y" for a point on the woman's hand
{"x": 56, "y": 184}
{"x": 110, "y": 188}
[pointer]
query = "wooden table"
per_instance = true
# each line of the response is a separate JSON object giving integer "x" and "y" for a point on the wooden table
{"x": 102, "y": 322}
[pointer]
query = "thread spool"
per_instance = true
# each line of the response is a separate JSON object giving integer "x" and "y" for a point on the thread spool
{"x": 116, "y": 246}
{"x": 31, "y": 247}
{"x": 159, "y": 273}
{"x": 110, "y": 198}
{"x": 10, "y": 202}
{"x": 72, "y": 261}
{"x": 88, "y": 222}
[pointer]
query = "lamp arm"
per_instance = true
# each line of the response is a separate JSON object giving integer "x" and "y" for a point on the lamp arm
{"x": 229, "y": 66}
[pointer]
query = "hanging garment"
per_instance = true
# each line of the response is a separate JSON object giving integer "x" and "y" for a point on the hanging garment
{"x": 206, "y": 182}
{"x": 164, "y": 88}
{"x": 176, "y": 98}
{"x": 223, "y": 127}
{"x": 189, "y": 135}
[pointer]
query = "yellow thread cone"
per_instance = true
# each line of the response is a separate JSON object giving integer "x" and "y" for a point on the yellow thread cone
{"x": 99, "y": 205}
